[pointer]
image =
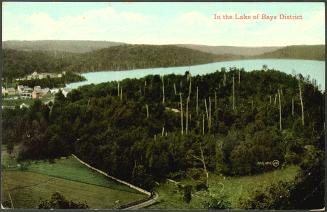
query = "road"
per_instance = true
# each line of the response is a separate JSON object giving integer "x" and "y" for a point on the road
{"x": 144, "y": 204}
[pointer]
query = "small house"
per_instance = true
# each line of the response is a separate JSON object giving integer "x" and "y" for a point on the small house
{"x": 36, "y": 94}
{"x": 11, "y": 91}
{"x": 37, "y": 88}
{"x": 23, "y": 105}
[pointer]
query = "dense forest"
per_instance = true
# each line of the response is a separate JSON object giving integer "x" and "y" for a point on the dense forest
{"x": 20, "y": 63}
{"x": 306, "y": 52}
{"x": 145, "y": 130}
{"x": 73, "y": 46}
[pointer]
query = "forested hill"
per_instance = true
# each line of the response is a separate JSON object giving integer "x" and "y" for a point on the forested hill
{"x": 234, "y": 50}
{"x": 234, "y": 119}
{"x": 144, "y": 56}
{"x": 19, "y": 63}
{"x": 74, "y": 46}
{"x": 308, "y": 52}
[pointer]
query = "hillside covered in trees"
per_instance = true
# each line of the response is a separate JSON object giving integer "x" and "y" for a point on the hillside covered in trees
{"x": 306, "y": 52}
{"x": 149, "y": 129}
{"x": 19, "y": 63}
{"x": 73, "y": 46}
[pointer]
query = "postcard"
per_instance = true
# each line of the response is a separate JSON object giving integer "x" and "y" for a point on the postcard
{"x": 163, "y": 105}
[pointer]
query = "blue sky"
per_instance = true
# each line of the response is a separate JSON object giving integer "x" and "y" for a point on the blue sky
{"x": 164, "y": 23}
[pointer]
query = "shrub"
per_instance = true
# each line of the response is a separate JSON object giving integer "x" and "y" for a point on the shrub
{"x": 58, "y": 201}
{"x": 276, "y": 196}
{"x": 187, "y": 193}
{"x": 217, "y": 202}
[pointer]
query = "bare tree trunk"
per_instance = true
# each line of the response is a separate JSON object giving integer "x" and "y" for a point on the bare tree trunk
{"x": 204, "y": 166}
{"x": 181, "y": 103}
{"x": 233, "y": 94}
{"x": 186, "y": 121}
{"x": 175, "y": 89}
{"x": 275, "y": 100}
{"x": 197, "y": 100}
{"x": 144, "y": 87}
{"x": 190, "y": 89}
{"x": 216, "y": 101}
{"x": 292, "y": 106}
{"x": 163, "y": 131}
{"x": 118, "y": 91}
{"x": 121, "y": 93}
{"x": 280, "y": 111}
{"x": 270, "y": 99}
{"x": 239, "y": 77}
{"x": 202, "y": 123}
{"x": 163, "y": 90}
{"x": 205, "y": 105}
{"x": 147, "y": 111}
{"x": 224, "y": 79}
{"x": 301, "y": 100}
{"x": 209, "y": 121}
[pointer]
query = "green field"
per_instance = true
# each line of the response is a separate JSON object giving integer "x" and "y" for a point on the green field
{"x": 27, "y": 189}
{"x": 67, "y": 176}
{"x": 233, "y": 187}
{"x": 71, "y": 169}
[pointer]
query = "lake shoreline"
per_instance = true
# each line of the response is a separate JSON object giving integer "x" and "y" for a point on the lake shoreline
{"x": 314, "y": 68}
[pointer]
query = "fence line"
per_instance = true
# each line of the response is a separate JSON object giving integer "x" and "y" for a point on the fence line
{"x": 113, "y": 178}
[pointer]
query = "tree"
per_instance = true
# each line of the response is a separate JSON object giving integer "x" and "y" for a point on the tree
{"x": 58, "y": 201}
{"x": 187, "y": 193}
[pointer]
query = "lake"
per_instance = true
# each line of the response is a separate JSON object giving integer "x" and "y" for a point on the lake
{"x": 315, "y": 69}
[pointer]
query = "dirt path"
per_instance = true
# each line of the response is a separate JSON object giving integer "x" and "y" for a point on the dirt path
{"x": 144, "y": 204}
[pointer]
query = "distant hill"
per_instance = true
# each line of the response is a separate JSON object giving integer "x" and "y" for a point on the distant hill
{"x": 19, "y": 63}
{"x": 59, "y": 45}
{"x": 309, "y": 52}
{"x": 146, "y": 56}
{"x": 234, "y": 50}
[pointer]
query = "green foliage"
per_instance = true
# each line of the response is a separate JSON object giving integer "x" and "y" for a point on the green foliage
{"x": 217, "y": 202}
{"x": 115, "y": 135}
{"x": 311, "y": 52}
{"x": 123, "y": 57}
{"x": 276, "y": 197}
{"x": 187, "y": 193}
{"x": 58, "y": 201}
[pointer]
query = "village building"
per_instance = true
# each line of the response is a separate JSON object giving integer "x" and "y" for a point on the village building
{"x": 11, "y": 91}
{"x": 54, "y": 90}
{"x": 20, "y": 88}
{"x": 3, "y": 90}
{"x": 37, "y": 88}
{"x": 23, "y": 105}
{"x": 65, "y": 91}
{"x": 39, "y": 93}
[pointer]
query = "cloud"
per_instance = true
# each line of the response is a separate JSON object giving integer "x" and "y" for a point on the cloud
{"x": 109, "y": 23}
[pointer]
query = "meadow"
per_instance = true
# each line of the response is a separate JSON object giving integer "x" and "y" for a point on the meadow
{"x": 27, "y": 185}
{"x": 233, "y": 188}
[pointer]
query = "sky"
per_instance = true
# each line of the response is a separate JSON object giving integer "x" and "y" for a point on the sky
{"x": 165, "y": 22}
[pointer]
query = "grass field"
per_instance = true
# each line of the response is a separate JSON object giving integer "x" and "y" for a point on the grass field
{"x": 70, "y": 169}
{"x": 67, "y": 176}
{"x": 27, "y": 189}
{"x": 233, "y": 187}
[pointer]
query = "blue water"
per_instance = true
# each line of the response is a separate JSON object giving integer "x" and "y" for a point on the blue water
{"x": 315, "y": 69}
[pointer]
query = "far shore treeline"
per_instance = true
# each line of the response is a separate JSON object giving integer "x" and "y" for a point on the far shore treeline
{"x": 19, "y": 63}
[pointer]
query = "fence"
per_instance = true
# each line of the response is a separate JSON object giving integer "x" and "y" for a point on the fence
{"x": 113, "y": 178}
